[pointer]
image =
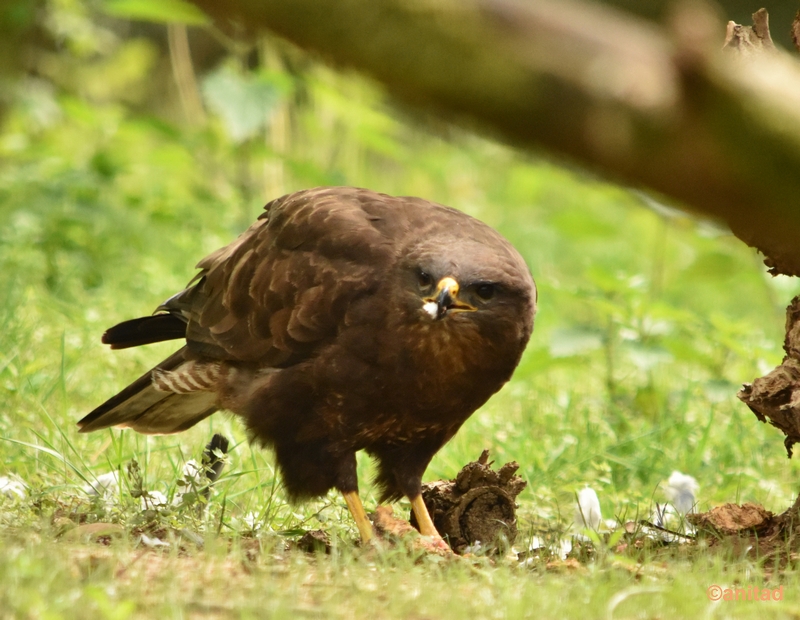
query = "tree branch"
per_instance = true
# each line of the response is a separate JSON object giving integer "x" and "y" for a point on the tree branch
{"x": 663, "y": 109}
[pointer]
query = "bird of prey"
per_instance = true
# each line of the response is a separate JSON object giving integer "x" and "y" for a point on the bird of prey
{"x": 341, "y": 320}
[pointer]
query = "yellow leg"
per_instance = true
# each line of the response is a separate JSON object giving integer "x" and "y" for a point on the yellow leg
{"x": 359, "y": 515}
{"x": 426, "y": 527}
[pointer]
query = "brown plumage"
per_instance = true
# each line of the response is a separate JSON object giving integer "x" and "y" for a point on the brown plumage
{"x": 342, "y": 320}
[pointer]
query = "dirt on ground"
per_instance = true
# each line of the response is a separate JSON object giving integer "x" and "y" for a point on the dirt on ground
{"x": 752, "y": 530}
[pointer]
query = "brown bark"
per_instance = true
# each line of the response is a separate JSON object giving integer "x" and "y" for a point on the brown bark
{"x": 775, "y": 398}
{"x": 658, "y": 108}
{"x": 753, "y": 39}
{"x": 732, "y": 519}
{"x": 479, "y": 506}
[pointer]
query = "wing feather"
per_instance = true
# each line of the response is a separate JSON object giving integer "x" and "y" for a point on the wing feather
{"x": 283, "y": 287}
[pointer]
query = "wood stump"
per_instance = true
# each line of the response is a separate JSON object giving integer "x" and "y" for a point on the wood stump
{"x": 477, "y": 508}
{"x": 775, "y": 397}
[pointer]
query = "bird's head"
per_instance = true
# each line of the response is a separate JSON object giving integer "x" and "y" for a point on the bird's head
{"x": 465, "y": 281}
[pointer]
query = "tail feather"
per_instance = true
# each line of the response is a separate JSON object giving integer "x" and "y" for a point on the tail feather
{"x": 145, "y": 409}
{"x": 174, "y": 414}
{"x": 145, "y": 330}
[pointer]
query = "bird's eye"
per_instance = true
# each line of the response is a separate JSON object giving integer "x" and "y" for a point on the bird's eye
{"x": 485, "y": 291}
{"x": 424, "y": 279}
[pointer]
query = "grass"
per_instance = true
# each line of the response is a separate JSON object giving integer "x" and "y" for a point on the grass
{"x": 248, "y": 578}
{"x": 648, "y": 322}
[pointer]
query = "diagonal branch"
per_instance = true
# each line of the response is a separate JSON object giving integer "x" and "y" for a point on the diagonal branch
{"x": 662, "y": 109}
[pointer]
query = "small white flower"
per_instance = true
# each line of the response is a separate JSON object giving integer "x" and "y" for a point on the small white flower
{"x": 104, "y": 484}
{"x": 667, "y": 517}
{"x": 664, "y": 515}
{"x": 193, "y": 471}
{"x": 587, "y": 511}
{"x": 474, "y": 548}
{"x": 252, "y": 521}
{"x": 153, "y": 499}
{"x": 560, "y": 548}
{"x": 12, "y": 486}
{"x": 192, "y": 479}
{"x": 681, "y": 490}
{"x": 153, "y": 542}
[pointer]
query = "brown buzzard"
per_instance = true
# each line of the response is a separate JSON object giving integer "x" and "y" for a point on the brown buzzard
{"x": 342, "y": 320}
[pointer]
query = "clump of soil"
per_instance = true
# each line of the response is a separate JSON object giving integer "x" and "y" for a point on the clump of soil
{"x": 315, "y": 541}
{"x": 731, "y": 519}
{"x": 752, "y": 529}
{"x": 476, "y": 510}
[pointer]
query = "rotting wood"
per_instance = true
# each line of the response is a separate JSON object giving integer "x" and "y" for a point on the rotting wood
{"x": 478, "y": 507}
{"x": 747, "y": 40}
{"x": 654, "y": 107}
{"x": 796, "y": 31}
{"x": 775, "y": 397}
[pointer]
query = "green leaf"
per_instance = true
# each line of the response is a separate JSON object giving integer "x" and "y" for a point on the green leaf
{"x": 51, "y": 452}
{"x": 242, "y": 101}
{"x": 647, "y": 357}
{"x": 161, "y": 11}
{"x": 566, "y": 342}
{"x": 720, "y": 390}
{"x": 615, "y": 537}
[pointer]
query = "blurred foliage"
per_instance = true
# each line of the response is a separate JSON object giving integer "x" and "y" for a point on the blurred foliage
{"x": 129, "y": 150}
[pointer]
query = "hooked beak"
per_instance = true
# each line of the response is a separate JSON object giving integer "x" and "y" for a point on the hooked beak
{"x": 445, "y": 298}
